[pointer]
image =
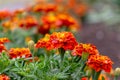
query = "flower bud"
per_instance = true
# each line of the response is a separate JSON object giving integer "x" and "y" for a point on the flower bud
{"x": 117, "y": 71}
{"x": 31, "y": 44}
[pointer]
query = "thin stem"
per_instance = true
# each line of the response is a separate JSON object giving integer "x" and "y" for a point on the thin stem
{"x": 95, "y": 75}
{"x": 62, "y": 52}
{"x": 116, "y": 78}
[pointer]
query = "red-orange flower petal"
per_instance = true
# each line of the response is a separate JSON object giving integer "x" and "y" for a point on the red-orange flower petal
{"x": 44, "y": 42}
{"x": 2, "y": 47}
{"x": 87, "y": 48}
{"x": 4, "y": 40}
{"x": 4, "y": 14}
{"x": 56, "y": 40}
{"x": 99, "y": 62}
{"x": 28, "y": 22}
{"x": 4, "y": 77}
{"x": 84, "y": 78}
{"x": 19, "y": 52}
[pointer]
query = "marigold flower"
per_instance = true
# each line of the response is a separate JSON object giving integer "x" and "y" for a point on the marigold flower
{"x": 10, "y": 24}
{"x": 28, "y": 22}
{"x": 38, "y": 8}
{"x": 57, "y": 21}
{"x": 84, "y": 78}
{"x": 4, "y": 40}
{"x": 43, "y": 29}
{"x": 64, "y": 40}
{"x": 66, "y": 20}
{"x": 81, "y": 9}
{"x": 18, "y": 11}
{"x": 4, "y": 14}
{"x": 56, "y": 40}
{"x": 48, "y": 22}
{"x": 45, "y": 7}
{"x": 50, "y": 8}
{"x": 2, "y": 47}
{"x": 87, "y": 48}
{"x": 19, "y": 52}
{"x": 50, "y": 19}
{"x": 44, "y": 42}
{"x": 4, "y": 77}
{"x": 99, "y": 62}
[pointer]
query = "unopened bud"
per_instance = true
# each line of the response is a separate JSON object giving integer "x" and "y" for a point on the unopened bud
{"x": 117, "y": 71}
{"x": 31, "y": 44}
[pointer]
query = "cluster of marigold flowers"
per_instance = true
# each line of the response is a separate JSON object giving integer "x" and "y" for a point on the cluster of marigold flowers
{"x": 14, "y": 52}
{"x": 67, "y": 41}
{"x": 80, "y": 8}
{"x": 45, "y": 17}
{"x": 95, "y": 60}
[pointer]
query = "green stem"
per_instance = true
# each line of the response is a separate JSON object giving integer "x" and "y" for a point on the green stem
{"x": 116, "y": 78}
{"x": 95, "y": 75}
{"x": 77, "y": 59}
{"x": 62, "y": 52}
{"x": 33, "y": 54}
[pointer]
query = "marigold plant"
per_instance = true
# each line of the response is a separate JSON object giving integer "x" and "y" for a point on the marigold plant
{"x": 99, "y": 62}
{"x": 85, "y": 48}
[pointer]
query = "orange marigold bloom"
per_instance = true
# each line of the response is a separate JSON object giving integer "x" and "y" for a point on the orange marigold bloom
{"x": 49, "y": 19}
{"x": 4, "y": 14}
{"x": 19, "y": 52}
{"x": 4, "y": 40}
{"x": 66, "y": 20}
{"x": 2, "y": 47}
{"x": 43, "y": 29}
{"x": 99, "y": 62}
{"x": 65, "y": 40}
{"x": 87, "y": 48}
{"x": 84, "y": 78}
{"x": 10, "y": 24}
{"x": 51, "y": 8}
{"x": 48, "y": 22}
{"x": 56, "y": 40}
{"x": 81, "y": 9}
{"x": 44, "y": 42}
{"x": 4, "y": 77}
{"x": 45, "y": 7}
{"x": 38, "y": 8}
{"x": 53, "y": 21}
{"x": 18, "y": 11}
{"x": 28, "y": 22}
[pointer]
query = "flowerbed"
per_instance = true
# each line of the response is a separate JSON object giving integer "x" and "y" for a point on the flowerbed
{"x": 38, "y": 43}
{"x": 60, "y": 57}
